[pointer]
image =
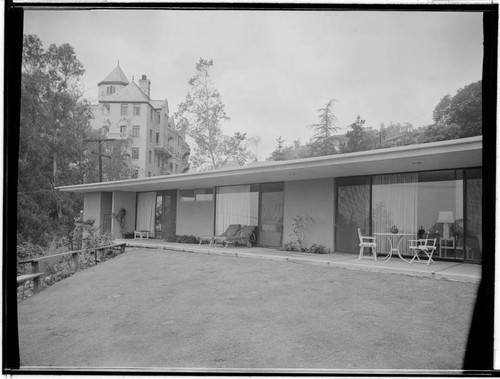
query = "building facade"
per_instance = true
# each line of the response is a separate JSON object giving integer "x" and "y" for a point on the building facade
{"x": 126, "y": 111}
{"x": 434, "y": 187}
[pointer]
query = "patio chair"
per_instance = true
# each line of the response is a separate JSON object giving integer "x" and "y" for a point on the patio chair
{"x": 231, "y": 231}
{"x": 426, "y": 246}
{"x": 244, "y": 236}
{"x": 369, "y": 242}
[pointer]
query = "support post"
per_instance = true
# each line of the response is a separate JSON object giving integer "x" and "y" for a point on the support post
{"x": 75, "y": 260}
{"x": 36, "y": 281}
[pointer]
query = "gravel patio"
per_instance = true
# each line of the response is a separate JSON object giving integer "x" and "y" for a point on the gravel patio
{"x": 158, "y": 309}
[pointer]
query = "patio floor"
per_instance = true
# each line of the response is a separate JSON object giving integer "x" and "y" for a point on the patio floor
{"x": 457, "y": 271}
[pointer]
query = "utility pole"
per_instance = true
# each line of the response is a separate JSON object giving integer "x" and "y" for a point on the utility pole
{"x": 99, "y": 152}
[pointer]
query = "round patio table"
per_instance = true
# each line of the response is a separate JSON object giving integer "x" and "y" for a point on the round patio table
{"x": 394, "y": 237}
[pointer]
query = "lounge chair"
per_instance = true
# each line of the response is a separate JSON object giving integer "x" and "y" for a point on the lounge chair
{"x": 245, "y": 234}
{"x": 230, "y": 232}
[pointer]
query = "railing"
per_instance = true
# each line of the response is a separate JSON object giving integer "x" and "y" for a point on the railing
{"x": 74, "y": 257}
{"x": 168, "y": 150}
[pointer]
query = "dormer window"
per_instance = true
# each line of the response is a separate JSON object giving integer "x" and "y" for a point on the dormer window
{"x": 110, "y": 90}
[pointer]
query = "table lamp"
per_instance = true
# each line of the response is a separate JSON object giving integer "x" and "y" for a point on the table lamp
{"x": 446, "y": 218}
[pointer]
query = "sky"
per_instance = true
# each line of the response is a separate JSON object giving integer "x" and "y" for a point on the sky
{"x": 275, "y": 69}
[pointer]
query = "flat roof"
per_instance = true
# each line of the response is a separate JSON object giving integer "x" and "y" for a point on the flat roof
{"x": 458, "y": 153}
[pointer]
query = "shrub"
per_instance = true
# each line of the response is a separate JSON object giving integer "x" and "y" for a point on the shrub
{"x": 313, "y": 249}
{"x": 317, "y": 249}
{"x": 289, "y": 246}
{"x": 183, "y": 239}
{"x": 299, "y": 228}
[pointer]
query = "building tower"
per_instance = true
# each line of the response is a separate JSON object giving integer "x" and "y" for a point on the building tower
{"x": 126, "y": 111}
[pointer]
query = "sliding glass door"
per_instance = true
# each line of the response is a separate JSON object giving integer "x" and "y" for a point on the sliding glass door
{"x": 272, "y": 200}
{"x": 352, "y": 212}
{"x": 445, "y": 204}
{"x": 472, "y": 229}
{"x": 236, "y": 205}
{"x": 260, "y": 205}
{"x": 394, "y": 204}
{"x": 166, "y": 214}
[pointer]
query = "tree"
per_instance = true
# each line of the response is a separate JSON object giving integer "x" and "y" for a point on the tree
{"x": 201, "y": 115}
{"x": 53, "y": 124}
{"x": 358, "y": 138}
{"x": 278, "y": 153}
{"x": 459, "y": 116}
{"x": 253, "y": 143}
{"x": 441, "y": 111}
{"x": 466, "y": 110}
{"x": 116, "y": 161}
{"x": 323, "y": 140}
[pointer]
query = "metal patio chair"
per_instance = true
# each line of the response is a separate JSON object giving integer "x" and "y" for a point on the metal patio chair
{"x": 424, "y": 245}
{"x": 366, "y": 242}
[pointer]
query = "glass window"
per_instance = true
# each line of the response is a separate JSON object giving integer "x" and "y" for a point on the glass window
{"x": 204, "y": 194}
{"x": 440, "y": 205}
{"x": 110, "y": 90}
{"x": 472, "y": 228}
{"x": 351, "y": 212}
{"x": 271, "y": 214}
{"x": 158, "y": 117}
{"x": 149, "y": 156}
{"x": 135, "y": 153}
{"x": 137, "y": 109}
{"x": 157, "y": 138}
{"x": 105, "y": 109}
{"x": 136, "y": 131}
{"x": 123, "y": 129}
{"x": 124, "y": 110}
{"x": 150, "y": 135}
{"x": 186, "y": 195}
{"x": 422, "y": 204}
{"x": 236, "y": 205}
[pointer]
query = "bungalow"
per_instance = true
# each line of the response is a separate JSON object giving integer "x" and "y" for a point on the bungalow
{"x": 433, "y": 187}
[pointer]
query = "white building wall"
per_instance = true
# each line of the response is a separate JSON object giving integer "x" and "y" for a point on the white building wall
{"x": 312, "y": 198}
{"x": 126, "y": 200}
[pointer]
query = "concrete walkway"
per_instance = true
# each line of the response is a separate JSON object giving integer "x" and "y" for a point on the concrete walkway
{"x": 443, "y": 270}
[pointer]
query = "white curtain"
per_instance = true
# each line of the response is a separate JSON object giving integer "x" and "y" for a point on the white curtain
{"x": 395, "y": 200}
{"x": 146, "y": 204}
{"x": 234, "y": 206}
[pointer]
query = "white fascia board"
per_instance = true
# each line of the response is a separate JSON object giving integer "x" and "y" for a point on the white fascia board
{"x": 459, "y": 146}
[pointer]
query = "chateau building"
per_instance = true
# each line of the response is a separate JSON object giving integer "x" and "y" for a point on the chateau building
{"x": 126, "y": 111}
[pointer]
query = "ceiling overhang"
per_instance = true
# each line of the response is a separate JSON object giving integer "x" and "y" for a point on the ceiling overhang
{"x": 460, "y": 153}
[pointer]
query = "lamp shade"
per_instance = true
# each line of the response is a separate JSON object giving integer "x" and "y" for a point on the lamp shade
{"x": 445, "y": 217}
